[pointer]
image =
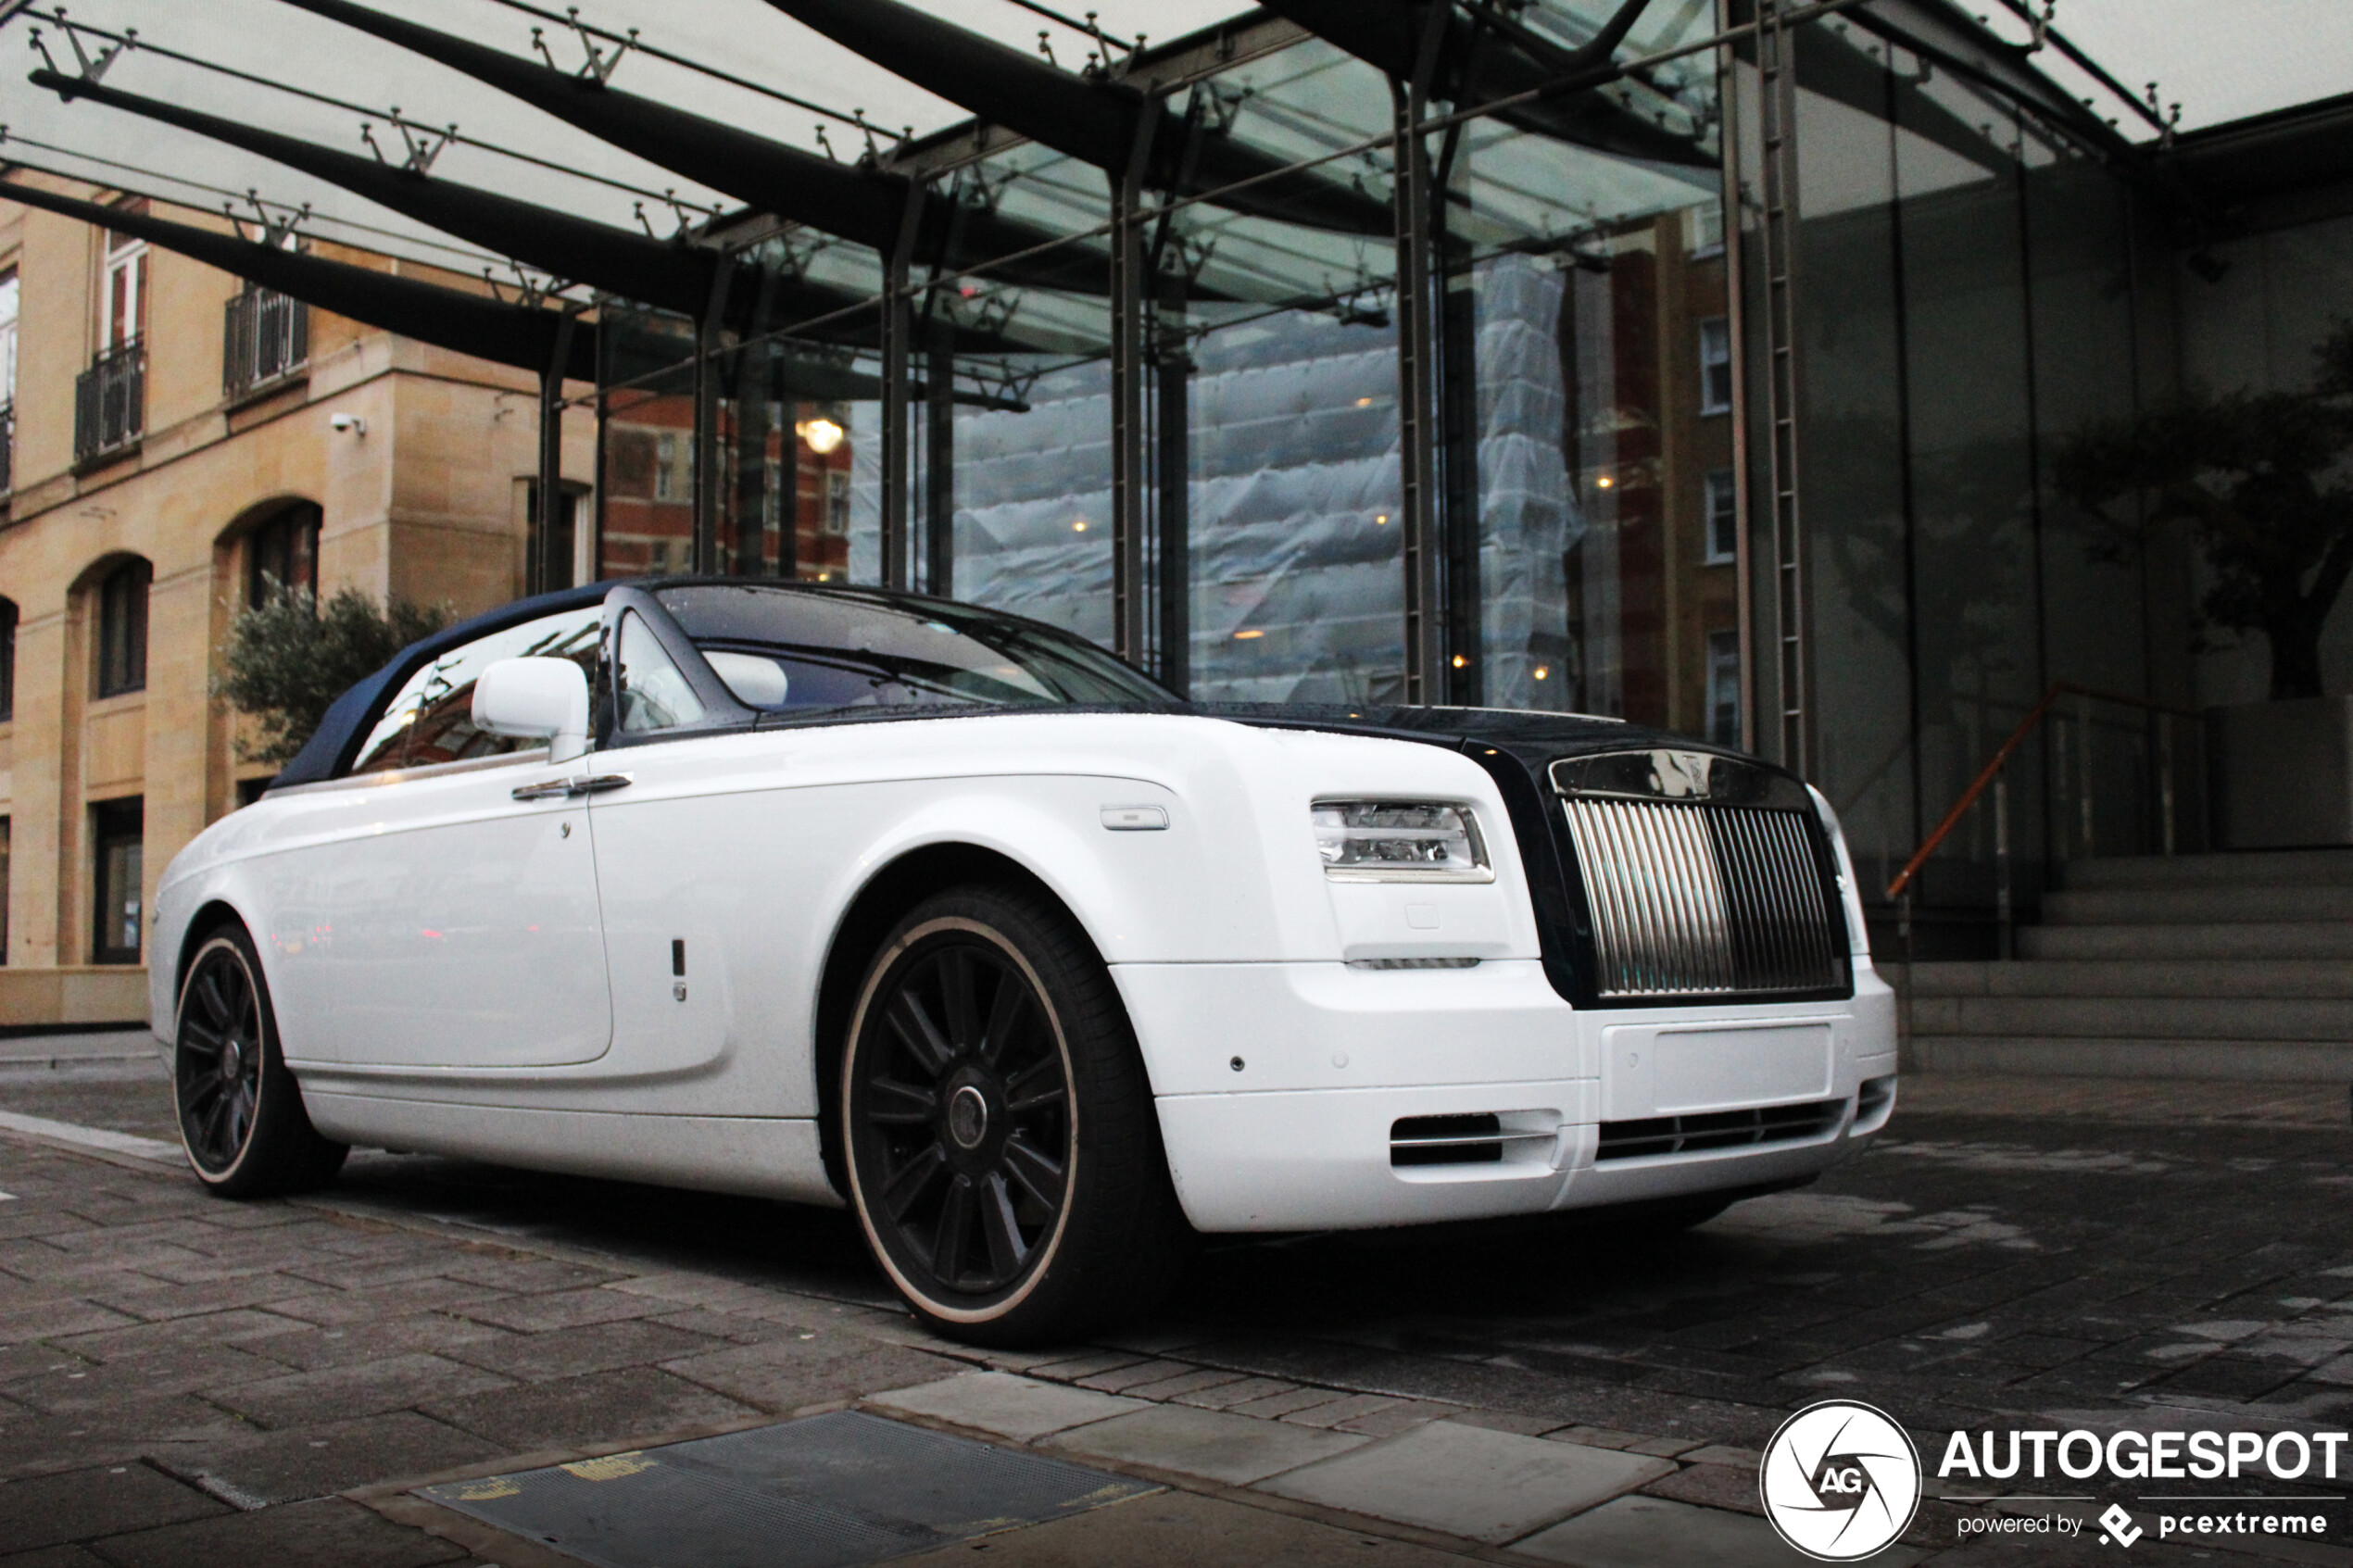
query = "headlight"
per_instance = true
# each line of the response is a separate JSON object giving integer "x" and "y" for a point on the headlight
{"x": 1400, "y": 841}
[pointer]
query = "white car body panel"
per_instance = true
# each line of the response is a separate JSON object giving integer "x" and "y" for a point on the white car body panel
{"x": 1226, "y": 938}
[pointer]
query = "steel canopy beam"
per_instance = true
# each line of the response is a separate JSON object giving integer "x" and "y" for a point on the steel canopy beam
{"x": 851, "y": 202}
{"x": 519, "y": 335}
{"x": 1095, "y": 119}
{"x": 668, "y": 276}
{"x": 1475, "y": 64}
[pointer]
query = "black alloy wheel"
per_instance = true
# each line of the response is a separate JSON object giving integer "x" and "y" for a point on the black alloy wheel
{"x": 241, "y": 1113}
{"x": 1000, "y": 1133}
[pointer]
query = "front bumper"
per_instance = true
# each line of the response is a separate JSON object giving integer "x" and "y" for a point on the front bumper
{"x": 1332, "y": 1060}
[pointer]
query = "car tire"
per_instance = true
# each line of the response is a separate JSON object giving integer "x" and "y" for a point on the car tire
{"x": 242, "y": 1120}
{"x": 1001, "y": 1141}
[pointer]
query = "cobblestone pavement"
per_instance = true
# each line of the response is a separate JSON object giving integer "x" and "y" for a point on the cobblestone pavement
{"x": 188, "y": 1381}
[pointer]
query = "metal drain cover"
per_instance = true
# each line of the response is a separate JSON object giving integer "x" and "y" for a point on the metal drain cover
{"x": 825, "y": 1492}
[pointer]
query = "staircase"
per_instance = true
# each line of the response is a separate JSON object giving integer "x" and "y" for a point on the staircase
{"x": 2233, "y": 967}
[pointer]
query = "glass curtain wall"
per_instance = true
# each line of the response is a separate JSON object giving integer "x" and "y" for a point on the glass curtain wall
{"x": 1586, "y": 508}
{"x": 1965, "y": 299}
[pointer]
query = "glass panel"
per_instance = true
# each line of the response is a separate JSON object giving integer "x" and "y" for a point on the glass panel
{"x": 1277, "y": 406}
{"x": 648, "y": 492}
{"x": 430, "y": 719}
{"x": 1590, "y": 241}
{"x": 654, "y": 693}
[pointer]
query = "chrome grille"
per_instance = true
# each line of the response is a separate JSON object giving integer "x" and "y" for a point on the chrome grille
{"x": 1694, "y": 900}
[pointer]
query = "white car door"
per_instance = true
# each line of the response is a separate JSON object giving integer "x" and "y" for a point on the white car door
{"x": 440, "y": 908}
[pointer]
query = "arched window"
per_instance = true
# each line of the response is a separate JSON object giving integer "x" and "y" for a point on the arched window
{"x": 122, "y": 629}
{"x": 282, "y": 554}
{"x": 7, "y": 663}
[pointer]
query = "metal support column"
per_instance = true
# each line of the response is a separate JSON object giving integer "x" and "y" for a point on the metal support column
{"x": 1129, "y": 477}
{"x": 709, "y": 342}
{"x": 1777, "y": 82}
{"x": 898, "y": 330}
{"x": 1418, "y": 374}
{"x": 1171, "y": 454}
{"x": 540, "y": 571}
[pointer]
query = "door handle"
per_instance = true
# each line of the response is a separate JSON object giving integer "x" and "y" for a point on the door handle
{"x": 599, "y": 783}
{"x": 572, "y": 788}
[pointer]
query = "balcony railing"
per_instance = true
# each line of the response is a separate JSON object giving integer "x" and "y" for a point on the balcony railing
{"x": 110, "y": 402}
{"x": 266, "y": 339}
{"x": 7, "y": 447}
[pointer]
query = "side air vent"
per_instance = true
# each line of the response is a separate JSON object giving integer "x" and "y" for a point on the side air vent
{"x": 1459, "y": 1140}
{"x": 1725, "y": 1129}
{"x": 1874, "y": 1103}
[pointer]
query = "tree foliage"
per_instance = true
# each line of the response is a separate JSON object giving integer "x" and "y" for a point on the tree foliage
{"x": 290, "y": 656}
{"x": 2262, "y": 480}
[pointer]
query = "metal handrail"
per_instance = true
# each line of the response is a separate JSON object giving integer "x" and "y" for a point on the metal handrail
{"x": 1989, "y": 775}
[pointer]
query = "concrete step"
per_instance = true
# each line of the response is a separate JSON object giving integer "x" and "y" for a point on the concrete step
{"x": 2171, "y": 906}
{"x": 2299, "y": 979}
{"x": 2311, "y": 939}
{"x": 2271, "y": 1061}
{"x": 2139, "y": 1018}
{"x": 2256, "y": 868}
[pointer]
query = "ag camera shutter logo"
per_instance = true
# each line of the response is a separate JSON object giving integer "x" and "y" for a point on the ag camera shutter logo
{"x": 1841, "y": 1480}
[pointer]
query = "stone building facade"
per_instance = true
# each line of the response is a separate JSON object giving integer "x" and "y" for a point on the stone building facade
{"x": 172, "y": 435}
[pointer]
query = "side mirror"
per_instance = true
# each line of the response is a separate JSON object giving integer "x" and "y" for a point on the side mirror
{"x": 535, "y": 700}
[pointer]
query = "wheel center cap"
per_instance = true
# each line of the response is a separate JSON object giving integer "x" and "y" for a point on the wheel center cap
{"x": 968, "y": 1117}
{"x": 232, "y": 1060}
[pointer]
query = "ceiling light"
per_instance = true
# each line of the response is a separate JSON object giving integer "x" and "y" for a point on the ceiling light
{"x": 822, "y": 435}
{"x": 1245, "y": 637}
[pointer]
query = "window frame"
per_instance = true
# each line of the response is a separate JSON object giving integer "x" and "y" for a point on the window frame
{"x": 1720, "y": 482}
{"x": 107, "y": 832}
{"x": 9, "y": 617}
{"x": 1715, "y": 356}
{"x": 125, "y": 257}
{"x": 135, "y": 576}
{"x": 312, "y": 520}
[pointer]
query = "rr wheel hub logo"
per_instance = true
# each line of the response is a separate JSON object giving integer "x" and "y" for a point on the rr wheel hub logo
{"x": 1841, "y": 1480}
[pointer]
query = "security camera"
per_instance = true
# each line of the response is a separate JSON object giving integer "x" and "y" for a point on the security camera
{"x": 351, "y": 422}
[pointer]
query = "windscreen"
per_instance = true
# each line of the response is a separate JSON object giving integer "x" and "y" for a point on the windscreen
{"x": 796, "y": 650}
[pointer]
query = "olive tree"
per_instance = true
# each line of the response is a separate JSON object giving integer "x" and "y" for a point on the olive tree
{"x": 2264, "y": 482}
{"x": 290, "y": 656}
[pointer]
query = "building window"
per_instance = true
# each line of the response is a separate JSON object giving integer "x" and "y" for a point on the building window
{"x": 560, "y": 563}
{"x": 282, "y": 555}
{"x": 7, "y": 660}
{"x": 1715, "y": 365}
{"x": 1703, "y": 231}
{"x": 117, "y": 828}
{"x": 122, "y": 629}
{"x": 674, "y": 468}
{"x": 4, "y": 890}
{"x": 837, "y": 502}
{"x": 1723, "y": 518}
{"x": 265, "y": 339}
{"x": 123, "y": 305}
{"x": 1724, "y": 687}
{"x": 8, "y": 297}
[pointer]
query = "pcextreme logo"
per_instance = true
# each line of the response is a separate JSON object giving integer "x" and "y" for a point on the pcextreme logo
{"x": 1839, "y": 1481}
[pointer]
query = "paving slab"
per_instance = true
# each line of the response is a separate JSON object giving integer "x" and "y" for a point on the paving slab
{"x": 1019, "y": 1408}
{"x": 1469, "y": 1481}
{"x": 1236, "y": 1449}
{"x": 1183, "y": 1527}
{"x": 1654, "y": 1532}
{"x": 78, "y": 1504}
{"x": 328, "y": 1532}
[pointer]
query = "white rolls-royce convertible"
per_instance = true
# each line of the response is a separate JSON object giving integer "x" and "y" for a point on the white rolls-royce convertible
{"x": 846, "y": 896}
